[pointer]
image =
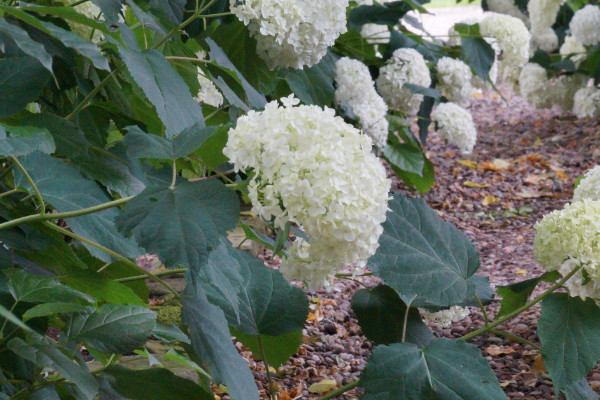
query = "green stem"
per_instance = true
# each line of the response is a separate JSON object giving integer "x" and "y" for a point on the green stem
{"x": 12, "y": 308}
{"x": 405, "y": 321}
{"x": 112, "y": 253}
{"x": 161, "y": 273}
{"x": 8, "y": 193}
{"x": 264, "y": 358}
{"x": 69, "y": 214}
{"x": 32, "y": 183}
{"x": 343, "y": 274}
{"x": 174, "y": 179}
{"x": 353, "y": 280}
{"x": 340, "y": 391}
{"x": 520, "y": 309}
{"x": 223, "y": 14}
{"x": 91, "y": 95}
{"x": 516, "y": 338}
{"x": 485, "y": 316}
{"x": 78, "y": 3}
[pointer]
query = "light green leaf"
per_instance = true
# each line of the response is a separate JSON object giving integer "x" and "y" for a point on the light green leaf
{"x": 24, "y": 140}
{"x": 101, "y": 288}
{"x": 278, "y": 349}
{"x": 29, "y": 288}
{"x": 26, "y": 44}
{"x": 21, "y": 81}
{"x": 517, "y": 294}
{"x": 46, "y": 309}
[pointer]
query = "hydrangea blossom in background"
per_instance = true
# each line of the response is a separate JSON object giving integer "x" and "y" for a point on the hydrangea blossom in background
{"x": 375, "y": 33}
{"x": 585, "y": 25}
{"x": 356, "y": 95}
{"x": 507, "y": 7}
{"x": 572, "y": 49}
{"x": 586, "y": 103}
{"x": 444, "y": 318}
{"x": 545, "y": 40}
{"x": 512, "y": 37}
{"x": 290, "y": 33}
{"x": 315, "y": 170}
{"x": 454, "y": 79}
{"x": 569, "y": 238}
{"x": 542, "y": 14}
{"x": 90, "y": 10}
{"x": 456, "y": 124}
{"x": 405, "y": 66}
{"x": 589, "y": 186}
{"x": 535, "y": 86}
{"x": 564, "y": 88}
{"x": 208, "y": 93}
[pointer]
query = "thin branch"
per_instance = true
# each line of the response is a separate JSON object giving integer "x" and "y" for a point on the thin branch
{"x": 32, "y": 183}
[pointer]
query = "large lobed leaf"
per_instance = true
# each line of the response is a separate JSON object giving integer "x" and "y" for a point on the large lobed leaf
{"x": 24, "y": 140}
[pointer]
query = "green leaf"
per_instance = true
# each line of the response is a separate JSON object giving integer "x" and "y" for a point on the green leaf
{"x": 163, "y": 87}
{"x": 170, "y": 333}
{"x": 45, "y": 354}
{"x": 153, "y": 384}
{"x": 70, "y": 141}
{"x": 147, "y": 20}
{"x": 112, "y": 328}
{"x": 211, "y": 150}
{"x": 479, "y": 54}
{"x": 21, "y": 81}
{"x": 403, "y": 156}
{"x": 314, "y": 85}
{"x": 421, "y": 183}
{"x": 26, "y": 44}
{"x": 101, "y": 288}
{"x": 46, "y": 309}
{"x": 446, "y": 369}
{"x": 278, "y": 349}
{"x": 380, "y": 313}
{"x": 110, "y": 9}
{"x": 422, "y": 256}
{"x": 569, "y": 330}
{"x": 24, "y": 140}
{"x": 181, "y": 225}
{"x": 517, "y": 294}
{"x": 425, "y": 91}
{"x": 212, "y": 344}
{"x": 386, "y": 14}
{"x": 169, "y": 10}
{"x": 9, "y": 316}
{"x": 144, "y": 145}
{"x": 68, "y": 13}
{"x": 580, "y": 390}
{"x": 29, "y": 288}
{"x": 63, "y": 186}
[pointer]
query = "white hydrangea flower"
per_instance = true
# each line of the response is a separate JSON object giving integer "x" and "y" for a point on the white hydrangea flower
{"x": 542, "y": 14}
{"x": 512, "y": 37}
{"x": 292, "y": 33}
{"x": 534, "y": 85}
{"x": 405, "y": 66}
{"x": 454, "y": 79}
{"x": 585, "y": 25}
{"x": 375, "y": 33}
{"x": 573, "y": 50}
{"x": 562, "y": 92}
{"x": 568, "y": 238}
{"x": 356, "y": 95}
{"x": 444, "y": 318}
{"x": 589, "y": 186}
{"x": 91, "y": 11}
{"x": 545, "y": 40}
{"x": 208, "y": 93}
{"x": 313, "y": 169}
{"x": 507, "y": 7}
{"x": 586, "y": 103}
{"x": 456, "y": 124}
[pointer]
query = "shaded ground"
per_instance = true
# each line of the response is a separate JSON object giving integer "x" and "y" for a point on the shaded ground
{"x": 523, "y": 166}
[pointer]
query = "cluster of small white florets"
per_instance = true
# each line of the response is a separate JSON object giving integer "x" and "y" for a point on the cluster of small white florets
{"x": 589, "y": 186}
{"x": 405, "y": 66}
{"x": 456, "y": 125}
{"x": 545, "y": 40}
{"x": 90, "y": 10}
{"x": 573, "y": 50}
{"x": 356, "y": 95}
{"x": 454, "y": 79}
{"x": 585, "y": 25}
{"x": 569, "y": 238}
{"x": 292, "y": 33}
{"x": 534, "y": 85}
{"x": 444, "y": 318}
{"x": 511, "y": 35}
{"x": 586, "y": 103}
{"x": 542, "y": 14}
{"x": 313, "y": 169}
{"x": 375, "y": 33}
{"x": 208, "y": 93}
{"x": 507, "y": 7}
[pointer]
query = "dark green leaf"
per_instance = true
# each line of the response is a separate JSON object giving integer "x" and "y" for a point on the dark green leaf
{"x": 63, "y": 186}
{"x": 153, "y": 384}
{"x": 517, "y": 294}
{"x": 26, "y": 44}
{"x": 143, "y": 145}
{"x": 110, "y": 9}
{"x": 21, "y": 81}
{"x": 314, "y": 85}
{"x": 181, "y": 225}
{"x": 46, "y": 309}
{"x": 422, "y": 255}
{"x": 385, "y": 14}
{"x": 29, "y": 288}
{"x": 380, "y": 313}
{"x": 146, "y": 19}
{"x": 170, "y": 11}
{"x": 404, "y": 156}
{"x": 479, "y": 54}
{"x": 569, "y": 330}
{"x": 24, "y": 140}
{"x": 425, "y": 91}
{"x": 446, "y": 369}
{"x": 9, "y": 316}
{"x": 45, "y": 354}
{"x": 170, "y": 333}
{"x": 421, "y": 183}
{"x": 211, "y": 150}
{"x": 70, "y": 141}
{"x": 580, "y": 390}
{"x": 212, "y": 344}
{"x": 68, "y": 13}
{"x": 112, "y": 328}
{"x": 278, "y": 349}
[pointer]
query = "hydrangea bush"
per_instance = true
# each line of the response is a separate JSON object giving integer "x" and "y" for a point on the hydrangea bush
{"x": 158, "y": 127}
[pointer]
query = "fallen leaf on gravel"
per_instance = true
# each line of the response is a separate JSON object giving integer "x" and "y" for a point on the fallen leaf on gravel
{"x": 505, "y": 384}
{"x": 475, "y": 184}
{"x": 468, "y": 163}
{"x": 500, "y": 163}
{"x": 538, "y": 366}
{"x": 537, "y": 142}
{"x": 322, "y": 387}
{"x": 494, "y": 350}
{"x": 284, "y": 395}
{"x": 487, "y": 200}
{"x": 522, "y": 272}
{"x": 562, "y": 175}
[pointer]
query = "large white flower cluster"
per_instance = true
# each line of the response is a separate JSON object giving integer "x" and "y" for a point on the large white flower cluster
{"x": 542, "y": 14}
{"x": 586, "y": 103}
{"x": 507, "y": 7}
{"x": 454, "y": 79}
{"x": 444, "y": 318}
{"x": 357, "y": 96}
{"x": 456, "y": 124}
{"x": 313, "y": 169}
{"x": 375, "y": 33}
{"x": 569, "y": 238}
{"x": 545, "y": 40}
{"x": 511, "y": 35}
{"x": 405, "y": 66}
{"x": 90, "y": 10}
{"x": 589, "y": 186}
{"x": 292, "y": 33}
{"x": 573, "y": 50}
{"x": 585, "y": 25}
{"x": 535, "y": 86}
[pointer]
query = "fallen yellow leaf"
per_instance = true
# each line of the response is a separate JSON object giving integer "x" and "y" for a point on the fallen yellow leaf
{"x": 505, "y": 384}
{"x": 500, "y": 163}
{"x": 468, "y": 163}
{"x": 322, "y": 387}
{"x": 522, "y": 272}
{"x": 475, "y": 184}
{"x": 487, "y": 200}
{"x": 537, "y": 142}
{"x": 538, "y": 366}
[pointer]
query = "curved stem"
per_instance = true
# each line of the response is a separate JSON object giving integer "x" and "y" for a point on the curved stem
{"x": 69, "y": 214}
{"x": 174, "y": 179}
{"x": 91, "y": 95}
{"x": 112, "y": 253}
{"x": 264, "y": 358}
{"x": 485, "y": 316}
{"x": 519, "y": 310}
{"x": 340, "y": 391}
{"x": 516, "y": 338}
{"x": 32, "y": 183}
{"x": 405, "y": 321}
{"x": 161, "y": 273}
{"x": 8, "y": 193}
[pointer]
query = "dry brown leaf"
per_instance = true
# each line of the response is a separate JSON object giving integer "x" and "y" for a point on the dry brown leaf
{"x": 323, "y": 386}
{"x": 488, "y": 200}
{"x": 475, "y": 184}
{"x": 538, "y": 366}
{"x": 494, "y": 350}
{"x": 284, "y": 395}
